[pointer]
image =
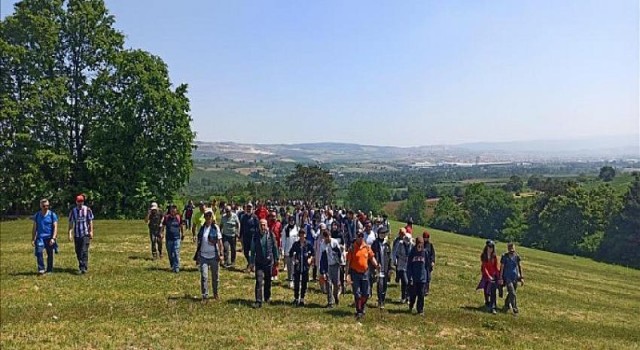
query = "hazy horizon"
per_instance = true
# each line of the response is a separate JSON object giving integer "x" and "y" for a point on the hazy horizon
{"x": 633, "y": 139}
{"x": 396, "y": 74}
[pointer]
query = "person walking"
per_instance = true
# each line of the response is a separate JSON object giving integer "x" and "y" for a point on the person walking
{"x": 44, "y": 235}
{"x": 81, "y": 232}
{"x": 490, "y": 276}
{"x": 208, "y": 248}
{"x": 330, "y": 259}
{"x": 230, "y": 232}
{"x": 382, "y": 252}
{"x": 359, "y": 257}
{"x": 431, "y": 251}
{"x": 197, "y": 220}
{"x": 301, "y": 253}
{"x": 187, "y": 214}
{"x": 173, "y": 231}
{"x": 249, "y": 227}
{"x": 153, "y": 219}
{"x": 511, "y": 275}
{"x": 401, "y": 250}
{"x": 276, "y": 228}
{"x": 418, "y": 275}
{"x": 263, "y": 254}
{"x": 289, "y": 237}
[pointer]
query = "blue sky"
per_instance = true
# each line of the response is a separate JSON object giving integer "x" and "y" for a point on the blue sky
{"x": 396, "y": 73}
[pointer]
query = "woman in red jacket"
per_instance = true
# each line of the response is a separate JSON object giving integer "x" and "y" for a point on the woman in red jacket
{"x": 490, "y": 275}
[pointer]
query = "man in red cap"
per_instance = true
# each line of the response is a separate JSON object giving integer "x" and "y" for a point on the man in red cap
{"x": 428, "y": 247}
{"x": 81, "y": 231}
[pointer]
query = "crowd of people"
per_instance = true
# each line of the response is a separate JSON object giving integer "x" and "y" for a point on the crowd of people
{"x": 335, "y": 246}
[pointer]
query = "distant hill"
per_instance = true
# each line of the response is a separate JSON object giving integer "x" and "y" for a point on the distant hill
{"x": 610, "y": 147}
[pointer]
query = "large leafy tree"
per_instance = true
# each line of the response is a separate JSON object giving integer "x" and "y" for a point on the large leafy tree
{"x": 488, "y": 210}
{"x": 76, "y": 106}
{"x": 414, "y": 208}
{"x": 621, "y": 242}
{"x": 367, "y": 195}
{"x": 311, "y": 183}
{"x": 449, "y": 216}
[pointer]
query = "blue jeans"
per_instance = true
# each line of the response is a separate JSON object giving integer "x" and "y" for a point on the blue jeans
{"x": 173, "y": 250}
{"x": 361, "y": 289}
{"x": 41, "y": 246}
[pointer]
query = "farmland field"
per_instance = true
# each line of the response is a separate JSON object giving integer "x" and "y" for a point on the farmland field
{"x": 129, "y": 301}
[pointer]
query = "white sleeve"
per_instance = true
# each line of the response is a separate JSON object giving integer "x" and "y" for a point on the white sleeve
{"x": 219, "y": 233}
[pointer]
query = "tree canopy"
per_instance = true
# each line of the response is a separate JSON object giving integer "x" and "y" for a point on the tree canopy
{"x": 82, "y": 114}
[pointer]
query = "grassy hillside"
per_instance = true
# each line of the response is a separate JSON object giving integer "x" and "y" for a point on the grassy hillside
{"x": 129, "y": 301}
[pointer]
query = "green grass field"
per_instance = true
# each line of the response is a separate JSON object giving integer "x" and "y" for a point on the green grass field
{"x": 128, "y": 301}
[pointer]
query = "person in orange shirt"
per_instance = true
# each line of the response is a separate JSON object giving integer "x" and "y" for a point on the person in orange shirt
{"x": 359, "y": 257}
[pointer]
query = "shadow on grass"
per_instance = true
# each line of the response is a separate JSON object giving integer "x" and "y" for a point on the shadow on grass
{"x": 480, "y": 308}
{"x": 68, "y": 270}
{"x": 240, "y": 302}
{"x": 399, "y": 311}
{"x": 339, "y": 313}
{"x": 138, "y": 257}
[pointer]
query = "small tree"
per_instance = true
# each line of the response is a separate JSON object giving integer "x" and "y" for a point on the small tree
{"x": 607, "y": 173}
{"x": 515, "y": 184}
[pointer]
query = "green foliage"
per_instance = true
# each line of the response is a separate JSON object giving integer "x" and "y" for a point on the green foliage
{"x": 515, "y": 184}
{"x": 449, "y": 216}
{"x": 414, "y": 207}
{"x": 99, "y": 119}
{"x": 607, "y": 173}
{"x": 621, "y": 241}
{"x": 573, "y": 222}
{"x": 488, "y": 210}
{"x": 311, "y": 183}
{"x": 367, "y": 196}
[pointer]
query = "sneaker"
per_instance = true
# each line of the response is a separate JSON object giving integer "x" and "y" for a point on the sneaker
{"x": 359, "y": 316}
{"x": 41, "y": 273}
{"x": 382, "y": 305}
{"x": 257, "y": 305}
{"x": 421, "y": 313}
{"x": 216, "y": 297}
{"x": 295, "y": 302}
{"x": 291, "y": 284}
{"x": 301, "y": 302}
{"x": 329, "y": 306}
{"x": 493, "y": 311}
{"x": 83, "y": 271}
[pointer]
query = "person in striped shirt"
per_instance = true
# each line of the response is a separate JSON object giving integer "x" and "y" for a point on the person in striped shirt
{"x": 81, "y": 231}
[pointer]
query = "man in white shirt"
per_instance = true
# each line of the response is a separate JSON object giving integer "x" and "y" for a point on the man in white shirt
{"x": 208, "y": 254}
{"x": 288, "y": 236}
{"x": 369, "y": 235}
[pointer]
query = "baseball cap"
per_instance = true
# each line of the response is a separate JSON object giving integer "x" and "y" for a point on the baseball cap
{"x": 490, "y": 243}
{"x": 79, "y": 198}
{"x": 154, "y": 206}
{"x": 425, "y": 234}
{"x": 208, "y": 211}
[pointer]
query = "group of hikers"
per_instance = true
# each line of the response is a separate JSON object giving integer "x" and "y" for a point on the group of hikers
{"x": 335, "y": 246}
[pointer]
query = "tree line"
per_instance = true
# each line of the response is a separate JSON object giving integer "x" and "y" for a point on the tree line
{"x": 563, "y": 218}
